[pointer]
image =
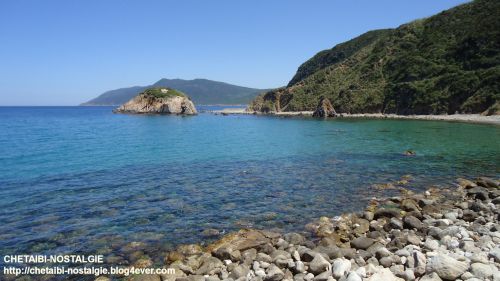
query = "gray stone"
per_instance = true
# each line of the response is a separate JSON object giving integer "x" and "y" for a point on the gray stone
{"x": 294, "y": 238}
{"x": 319, "y": 264}
{"x": 309, "y": 276}
{"x": 249, "y": 255}
{"x": 495, "y": 254}
{"x": 274, "y": 273}
{"x": 368, "y": 215}
{"x": 386, "y": 261}
{"x": 383, "y": 252}
{"x": 263, "y": 257}
{"x": 431, "y": 277}
{"x": 353, "y": 276}
{"x": 446, "y": 267}
{"x": 487, "y": 182}
{"x": 408, "y": 275}
{"x": 482, "y": 271}
{"x": 209, "y": 266}
{"x": 362, "y": 243}
{"x": 239, "y": 271}
{"x": 384, "y": 274}
{"x": 299, "y": 267}
{"x": 324, "y": 276}
{"x": 431, "y": 244}
{"x": 412, "y": 222}
{"x": 386, "y": 213}
{"x": 340, "y": 267}
{"x": 419, "y": 263}
{"x": 413, "y": 239}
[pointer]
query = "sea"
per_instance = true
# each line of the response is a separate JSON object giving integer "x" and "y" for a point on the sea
{"x": 85, "y": 180}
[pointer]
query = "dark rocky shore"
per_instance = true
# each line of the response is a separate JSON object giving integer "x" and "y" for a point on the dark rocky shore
{"x": 442, "y": 234}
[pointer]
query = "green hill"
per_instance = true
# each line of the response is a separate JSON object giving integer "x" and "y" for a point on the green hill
{"x": 444, "y": 64}
{"x": 201, "y": 91}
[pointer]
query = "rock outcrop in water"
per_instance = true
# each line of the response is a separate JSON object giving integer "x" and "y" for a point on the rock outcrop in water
{"x": 159, "y": 101}
{"x": 324, "y": 109}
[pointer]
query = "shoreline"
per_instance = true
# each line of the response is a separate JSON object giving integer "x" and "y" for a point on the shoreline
{"x": 466, "y": 118}
{"x": 444, "y": 233}
{"x": 448, "y": 233}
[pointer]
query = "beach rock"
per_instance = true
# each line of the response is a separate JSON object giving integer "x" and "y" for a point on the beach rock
{"x": 431, "y": 244}
{"x": 446, "y": 267}
{"x": 384, "y": 274}
{"x": 239, "y": 271}
{"x": 480, "y": 193}
{"x": 228, "y": 254}
{"x": 209, "y": 265}
{"x": 410, "y": 205}
{"x": 487, "y": 182}
{"x": 159, "y": 101}
{"x": 189, "y": 249}
{"x": 413, "y": 239}
{"x": 324, "y": 109}
{"x": 348, "y": 253}
{"x": 382, "y": 252}
{"x": 431, "y": 277}
{"x": 263, "y": 258}
{"x": 340, "y": 267}
{"x": 465, "y": 183}
{"x": 299, "y": 267}
{"x": 294, "y": 238}
{"x": 249, "y": 255}
{"x": 412, "y": 222}
{"x": 417, "y": 262}
{"x": 395, "y": 223}
{"x": 243, "y": 240}
{"x": 386, "y": 213}
{"x": 483, "y": 271}
{"x": 274, "y": 273}
{"x": 495, "y": 254}
{"x": 324, "y": 276}
{"x": 353, "y": 276}
{"x": 319, "y": 264}
{"x": 362, "y": 243}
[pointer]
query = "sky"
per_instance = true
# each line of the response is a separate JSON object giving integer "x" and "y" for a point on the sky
{"x": 59, "y": 52}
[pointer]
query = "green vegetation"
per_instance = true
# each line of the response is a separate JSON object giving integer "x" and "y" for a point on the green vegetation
{"x": 162, "y": 93}
{"x": 444, "y": 64}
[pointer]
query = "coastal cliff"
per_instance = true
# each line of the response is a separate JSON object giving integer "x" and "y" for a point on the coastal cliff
{"x": 159, "y": 101}
{"x": 445, "y": 64}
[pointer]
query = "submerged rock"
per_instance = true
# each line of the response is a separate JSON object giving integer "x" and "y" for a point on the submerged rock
{"x": 159, "y": 101}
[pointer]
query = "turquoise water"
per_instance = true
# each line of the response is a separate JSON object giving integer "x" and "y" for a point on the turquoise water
{"x": 81, "y": 179}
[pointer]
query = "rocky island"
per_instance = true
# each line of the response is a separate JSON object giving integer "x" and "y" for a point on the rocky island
{"x": 159, "y": 101}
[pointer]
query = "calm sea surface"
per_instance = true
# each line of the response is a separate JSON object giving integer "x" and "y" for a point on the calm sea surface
{"x": 84, "y": 180}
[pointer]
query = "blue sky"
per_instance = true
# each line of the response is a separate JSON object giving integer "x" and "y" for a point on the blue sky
{"x": 66, "y": 52}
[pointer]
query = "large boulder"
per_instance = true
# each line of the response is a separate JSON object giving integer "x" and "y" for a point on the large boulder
{"x": 324, "y": 109}
{"x": 446, "y": 267}
{"x": 159, "y": 101}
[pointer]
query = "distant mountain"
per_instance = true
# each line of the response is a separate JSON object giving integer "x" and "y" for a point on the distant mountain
{"x": 201, "y": 91}
{"x": 443, "y": 64}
